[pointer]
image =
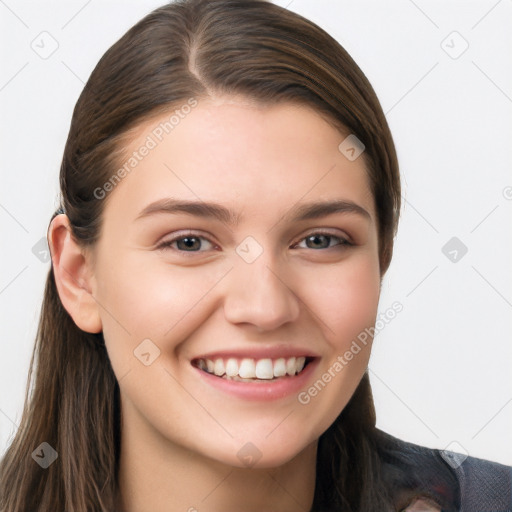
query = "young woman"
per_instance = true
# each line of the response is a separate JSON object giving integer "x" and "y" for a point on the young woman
{"x": 230, "y": 196}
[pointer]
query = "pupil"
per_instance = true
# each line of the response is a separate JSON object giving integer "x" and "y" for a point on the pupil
{"x": 189, "y": 242}
{"x": 315, "y": 239}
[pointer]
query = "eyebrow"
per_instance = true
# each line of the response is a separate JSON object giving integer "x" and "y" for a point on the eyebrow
{"x": 203, "y": 209}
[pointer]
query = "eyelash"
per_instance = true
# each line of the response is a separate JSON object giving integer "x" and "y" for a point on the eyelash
{"x": 168, "y": 243}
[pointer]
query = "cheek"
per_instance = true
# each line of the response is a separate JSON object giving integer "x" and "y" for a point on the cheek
{"x": 346, "y": 300}
{"x": 345, "y": 303}
{"x": 151, "y": 301}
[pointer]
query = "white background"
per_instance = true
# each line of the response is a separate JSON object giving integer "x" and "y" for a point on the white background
{"x": 441, "y": 370}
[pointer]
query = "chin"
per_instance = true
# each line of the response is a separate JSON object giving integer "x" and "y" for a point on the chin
{"x": 261, "y": 453}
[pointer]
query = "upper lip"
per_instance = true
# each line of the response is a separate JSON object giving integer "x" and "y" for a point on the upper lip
{"x": 273, "y": 352}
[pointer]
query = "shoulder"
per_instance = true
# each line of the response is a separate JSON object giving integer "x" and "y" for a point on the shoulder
{"x": 458, "y": 481}
{"x": 484, "y": 485}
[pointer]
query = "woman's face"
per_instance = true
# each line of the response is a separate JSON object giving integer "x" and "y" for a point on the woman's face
{"x": 237, "y": 268}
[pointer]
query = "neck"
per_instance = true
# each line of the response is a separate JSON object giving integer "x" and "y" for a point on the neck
{"x": 159, "y": 475}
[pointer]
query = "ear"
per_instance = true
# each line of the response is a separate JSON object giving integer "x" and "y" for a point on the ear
{"x": 71, "y": 268}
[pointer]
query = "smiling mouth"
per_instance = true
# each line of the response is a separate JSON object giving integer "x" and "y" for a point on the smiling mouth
{"x": 253, "y": 370}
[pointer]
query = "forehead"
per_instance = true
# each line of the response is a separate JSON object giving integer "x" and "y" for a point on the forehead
{"x": 231, "y": 151}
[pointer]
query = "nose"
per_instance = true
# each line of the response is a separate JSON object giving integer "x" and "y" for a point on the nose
{"x": 260, "y": 295}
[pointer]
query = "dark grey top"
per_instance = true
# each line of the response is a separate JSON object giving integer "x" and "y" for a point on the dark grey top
{"x": 475, "y": 485}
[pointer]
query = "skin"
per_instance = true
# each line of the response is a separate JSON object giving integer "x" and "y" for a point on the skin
{"x": 180, "y": 436}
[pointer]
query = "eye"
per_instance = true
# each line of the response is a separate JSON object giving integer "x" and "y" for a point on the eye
{"x": 188, "y": 242}
{"x": 193, "y": 242}
{"x": 322, "y": 240}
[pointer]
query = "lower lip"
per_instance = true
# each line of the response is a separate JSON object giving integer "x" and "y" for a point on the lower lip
{"x": 261, "y": 390}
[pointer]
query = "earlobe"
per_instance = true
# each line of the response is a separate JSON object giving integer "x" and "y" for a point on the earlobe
{"x": 73, "y": 276}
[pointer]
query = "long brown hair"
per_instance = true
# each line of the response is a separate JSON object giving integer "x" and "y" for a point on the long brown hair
{"x": 188, "y": 49}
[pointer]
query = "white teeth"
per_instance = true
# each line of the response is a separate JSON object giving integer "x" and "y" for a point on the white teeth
{"x": 264, "y": 369}
{"x": 218, "y": 369}
{"x": 247, "y": 368}
{"x": 291, "y": 366}
{"x": 280, "y": 367}
{"x": 232, "y": 367}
